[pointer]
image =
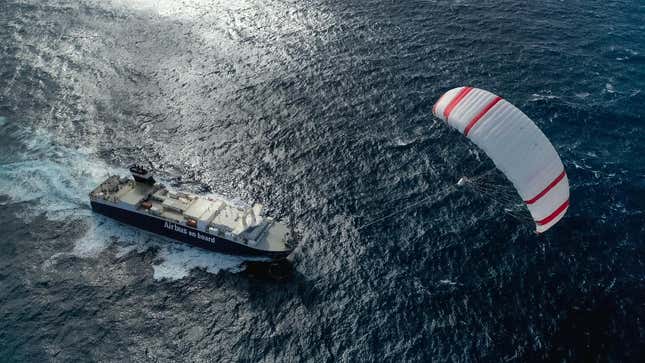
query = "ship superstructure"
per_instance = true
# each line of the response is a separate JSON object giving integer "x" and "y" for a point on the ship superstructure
{"x": 208, "y": 222}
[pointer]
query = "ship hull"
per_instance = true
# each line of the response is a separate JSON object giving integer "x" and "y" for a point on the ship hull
{"x": 181, "y": 232}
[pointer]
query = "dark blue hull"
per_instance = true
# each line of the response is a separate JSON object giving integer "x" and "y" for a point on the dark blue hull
{"x": 182, "y": 233}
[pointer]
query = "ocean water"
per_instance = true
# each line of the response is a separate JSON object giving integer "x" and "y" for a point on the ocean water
{"x": 321, "y": 111}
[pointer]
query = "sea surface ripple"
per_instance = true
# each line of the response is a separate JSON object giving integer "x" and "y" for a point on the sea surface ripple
{"x": 320, "y": 110}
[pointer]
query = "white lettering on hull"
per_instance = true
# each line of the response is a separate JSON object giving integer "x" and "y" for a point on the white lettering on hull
{"x": 196, "y": 234}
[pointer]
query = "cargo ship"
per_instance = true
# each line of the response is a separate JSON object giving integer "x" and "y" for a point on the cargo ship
{"x": 207, "y": 222}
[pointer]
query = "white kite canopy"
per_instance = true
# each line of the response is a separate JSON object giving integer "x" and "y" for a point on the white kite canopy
{"x": 515, "y": 144}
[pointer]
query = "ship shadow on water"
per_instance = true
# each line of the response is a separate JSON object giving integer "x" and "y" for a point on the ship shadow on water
{"x": 271, "y": 271}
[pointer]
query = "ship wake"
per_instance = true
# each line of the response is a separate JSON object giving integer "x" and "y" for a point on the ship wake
{"x": 53, "y": 180}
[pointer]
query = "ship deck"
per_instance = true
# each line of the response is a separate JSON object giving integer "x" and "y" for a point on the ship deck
{"x": 210, "y": 215}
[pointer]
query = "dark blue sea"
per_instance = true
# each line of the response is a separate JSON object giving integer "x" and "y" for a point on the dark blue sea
{"x": 322, "y": 111}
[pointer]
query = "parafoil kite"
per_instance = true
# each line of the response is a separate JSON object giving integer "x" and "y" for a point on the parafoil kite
{"x": 517, "y": 147}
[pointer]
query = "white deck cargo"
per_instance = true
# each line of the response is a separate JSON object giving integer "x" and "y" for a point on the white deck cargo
{"x": 212, "y": 215}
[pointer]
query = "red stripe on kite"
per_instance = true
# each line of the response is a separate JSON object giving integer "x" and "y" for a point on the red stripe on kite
{"x": 548, "y": 187}
{"x": 451, "y": 106}
{"x": 434, "y": 108}
{"x": 481, "y": 114}
{"x": 555, "y": 213}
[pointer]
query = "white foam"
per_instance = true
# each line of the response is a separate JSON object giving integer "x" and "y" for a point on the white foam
{"x": 56, "y": 180}
{"x": 398, "y": 141}
{"x": 447, "y": 282}
{"x": 542, "y": 97}
{"x": 179, "y": 260}
{"x": 123, "y": 251}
